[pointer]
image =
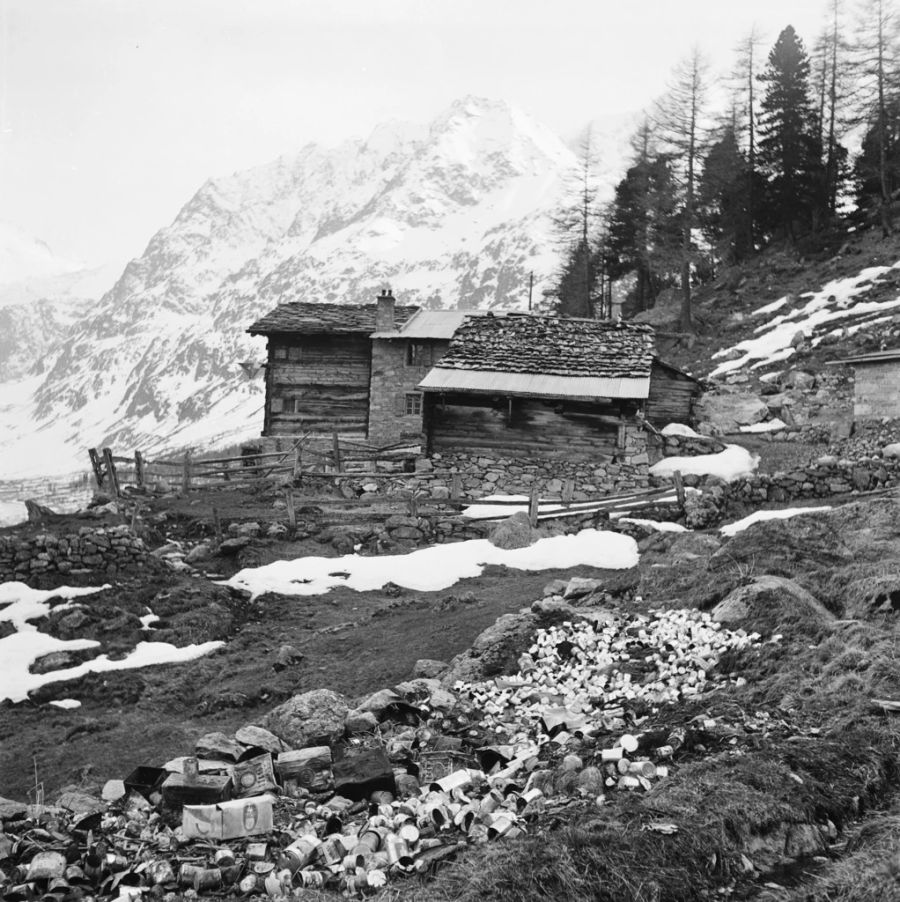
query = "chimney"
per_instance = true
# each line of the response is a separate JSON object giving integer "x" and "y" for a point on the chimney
{"x": 384, "y": 313}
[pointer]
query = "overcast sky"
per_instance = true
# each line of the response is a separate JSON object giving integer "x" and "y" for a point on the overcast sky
{"x": 113, "y": 112}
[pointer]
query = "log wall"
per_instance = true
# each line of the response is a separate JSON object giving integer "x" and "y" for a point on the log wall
{"x": 526, "y": 428}
{"x": 672, "y": 396}
{"x": 322, "y": 386}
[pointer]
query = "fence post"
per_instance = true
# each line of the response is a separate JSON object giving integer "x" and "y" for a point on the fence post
{"x": 337, "y": 451}
{"x": 111, "y": 471}
{"x": 291, "y": 512}
{"x": 455, "y": 488}
{"x": 568, "y": 491}
{"x": 413, "y": 504}
{"x": 97, "y": 466}
{"x": 139, "y": 468}
{"x": 297, "y": 475}
{"x": 679, "y": 488}
{"x": 186, "y": 474}
{"x": 533, "y": 507}
{"x": 217, "y": 525}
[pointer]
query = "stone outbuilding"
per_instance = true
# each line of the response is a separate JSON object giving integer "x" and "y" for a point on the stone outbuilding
{"x": 876, "y": 384}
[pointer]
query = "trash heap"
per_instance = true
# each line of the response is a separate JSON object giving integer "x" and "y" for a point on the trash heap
{"x": 439, "y": 770}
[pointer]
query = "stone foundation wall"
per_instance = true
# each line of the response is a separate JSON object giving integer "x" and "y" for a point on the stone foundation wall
{"x": 684, "y": 445}
{"x": 104, "y": 552}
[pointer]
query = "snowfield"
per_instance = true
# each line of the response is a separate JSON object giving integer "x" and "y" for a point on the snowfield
{"x": 732, "y": 529}
{"x": 436, "y": 567}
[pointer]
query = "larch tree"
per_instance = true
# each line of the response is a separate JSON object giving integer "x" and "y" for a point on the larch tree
{"x": 790, "y": 153}
{"x": 744, "y": 116}
{"x": 679, "y": 116}
{"x": 876, "y": 68}
{"x": 576, "y": 224}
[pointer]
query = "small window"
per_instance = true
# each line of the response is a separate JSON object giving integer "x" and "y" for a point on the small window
{"x": 413, "y": 405}
{"x": 279, "y": 352}
{"x": 293, "y": 352}
{"x": 418, "y": 354}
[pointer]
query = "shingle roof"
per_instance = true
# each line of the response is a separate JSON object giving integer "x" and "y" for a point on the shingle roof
{"x": 551, "y": 346}
{"x": 306, "y": 318}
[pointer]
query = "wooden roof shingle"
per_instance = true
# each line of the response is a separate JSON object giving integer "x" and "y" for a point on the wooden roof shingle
{"x": 305, "y": 318}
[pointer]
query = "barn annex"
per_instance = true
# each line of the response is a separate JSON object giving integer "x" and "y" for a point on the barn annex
{"x": 876, "y": 384}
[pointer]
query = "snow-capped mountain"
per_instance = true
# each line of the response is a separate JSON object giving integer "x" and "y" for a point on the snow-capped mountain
{"x": 452, "y": 214}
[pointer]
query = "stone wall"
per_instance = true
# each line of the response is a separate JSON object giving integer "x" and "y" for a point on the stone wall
{"x": 876, "y": 390}
{"x": 391, "y": 381}
{"x": 683, "y": 445}
{"x": 101, "y": 552}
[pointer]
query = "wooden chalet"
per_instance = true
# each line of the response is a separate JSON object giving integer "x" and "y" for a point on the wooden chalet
{"x": 552, "y": 388}
{"x": 319, "y": 364}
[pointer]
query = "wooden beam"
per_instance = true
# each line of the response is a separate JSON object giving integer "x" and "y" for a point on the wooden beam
{"x": 679, "y": 487}
{"x": 533, "y": 507}
{"x": 291, "y": 511}
{"x": 97, "y": 466}
{"x": 336, "y": 451}
{"x": 139, "y": 468}
{"x": 186, "y": 473}
{"x": 111, "y": 472}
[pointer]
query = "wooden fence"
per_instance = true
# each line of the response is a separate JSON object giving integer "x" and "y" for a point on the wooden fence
{"x": 344, "y": 458}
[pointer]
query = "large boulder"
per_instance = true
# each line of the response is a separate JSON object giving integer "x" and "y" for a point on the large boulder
{"x": 769, "y": 603}
{"x": 312, "y": 718}
{"x": 513, "y": 532}
{"x": 726, "y": 412}
{"x": 495, "y": 651}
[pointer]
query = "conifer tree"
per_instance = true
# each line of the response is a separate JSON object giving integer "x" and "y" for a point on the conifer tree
{"x": 680, "y": 119}
{"x": 876, "y": 69}
{"x": 744, "y": 117}
{"x": 789, "y": 148}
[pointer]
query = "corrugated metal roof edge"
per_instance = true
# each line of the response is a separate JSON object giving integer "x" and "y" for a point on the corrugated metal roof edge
{"x": 874, "y": 357}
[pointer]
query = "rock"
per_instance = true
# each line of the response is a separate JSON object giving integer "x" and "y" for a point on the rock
{"x": 769, "y": 601}
{"x": 891, "y": 451}
{"x": 803, "y": 841}
{"x": 38, "y": 513}
{"x": 287, "y": 656}
{"x": 55, "y": 660}
{"x": 513, "y": 532}
{"x": 312, "y": 718}
{"x": 697, "y": 544}
{"x": 495, "y": 651}
{"x": 198, "y": 553}
{"x": 556, "y": 587}
{"x": 579, "y": 586}
{"x": 429, "y": 668}
{"x": 217, "y": 746}
{"x": 726, "y": 412}
{"x": 233, "y": 546}
{"x": 440, "y": 493}
{"x": 276, "y": 531}
{"x": 257, "y": 737}
{"x": 361, "y": 772}
{"x": 251, "y": 530}
{"x": 801, "y": 380}
{"x": 10, "y": 810}
{"x": 360, "y": 722}
{"x": 79, "y": 802}
{"x": 113, "y": 790}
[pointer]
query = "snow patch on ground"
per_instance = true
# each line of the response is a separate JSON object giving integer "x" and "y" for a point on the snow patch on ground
{"x": 730, "y": 464}
{"x": 67, "y": 704}
{"x": 12, "y": 512}
{"x": 770, "y": 308}
{"x": 679, "y": 429}
{"x": 437, "y": 567}
{"x": 731, "y": 529}
{"x": 656, "y": 525}
{"x": 769, "y": 426}
{"x": 834, "y": 301}
{"x": 21, "y": 649}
